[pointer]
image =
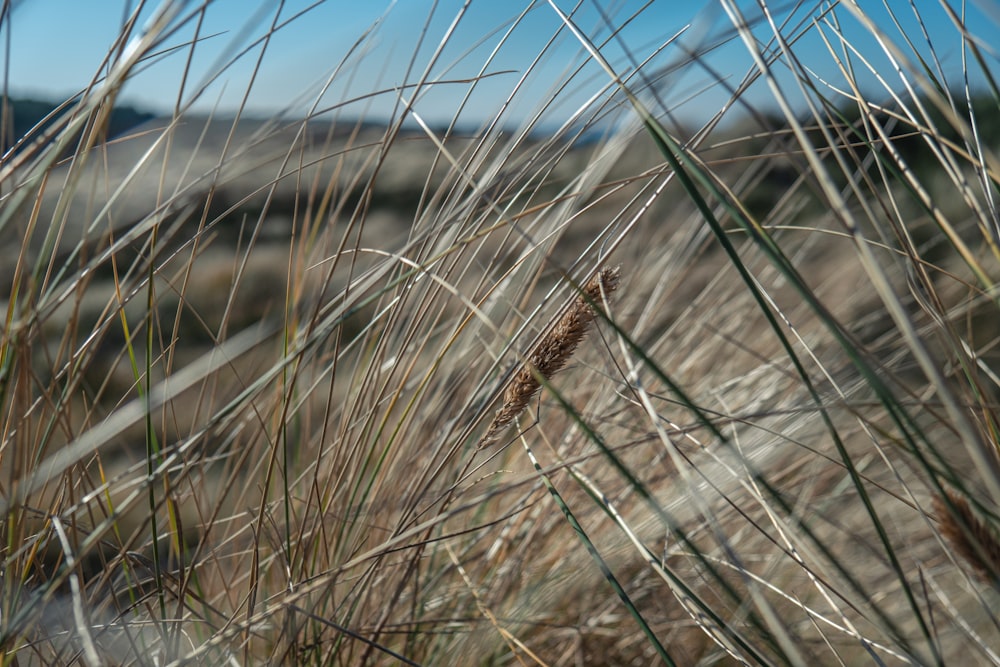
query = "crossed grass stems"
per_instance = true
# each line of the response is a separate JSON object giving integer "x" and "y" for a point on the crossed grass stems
{"x": 375, "y": 519}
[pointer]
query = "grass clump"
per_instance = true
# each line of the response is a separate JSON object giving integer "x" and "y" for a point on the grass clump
{"x": 249, "y": 368}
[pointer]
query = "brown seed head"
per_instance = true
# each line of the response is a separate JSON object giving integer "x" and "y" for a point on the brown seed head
{"x": 553, "y": 350}
{"x": 971, "y": 537}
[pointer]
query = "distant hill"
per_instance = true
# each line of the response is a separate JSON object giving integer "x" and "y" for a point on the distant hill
{"x": 20, "y": 115}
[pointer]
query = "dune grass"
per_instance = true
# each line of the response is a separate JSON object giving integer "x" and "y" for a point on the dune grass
{"x": 626, "y": 389}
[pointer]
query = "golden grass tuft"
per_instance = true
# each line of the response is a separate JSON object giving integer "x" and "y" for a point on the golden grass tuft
{"x": 553, "y": 351}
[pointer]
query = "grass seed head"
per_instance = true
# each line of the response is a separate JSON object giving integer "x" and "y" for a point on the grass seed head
{"x": 971, "y": 537}
{"x": 553, "y": 351}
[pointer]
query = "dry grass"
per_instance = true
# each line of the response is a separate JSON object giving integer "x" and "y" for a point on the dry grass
{"x": 249, "y": 369}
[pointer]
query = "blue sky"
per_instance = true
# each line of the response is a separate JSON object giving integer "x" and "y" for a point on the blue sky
{"x": 57, "y": 46}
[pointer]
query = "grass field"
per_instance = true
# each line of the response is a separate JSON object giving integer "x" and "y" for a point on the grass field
{"x": 646, "y": 386}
